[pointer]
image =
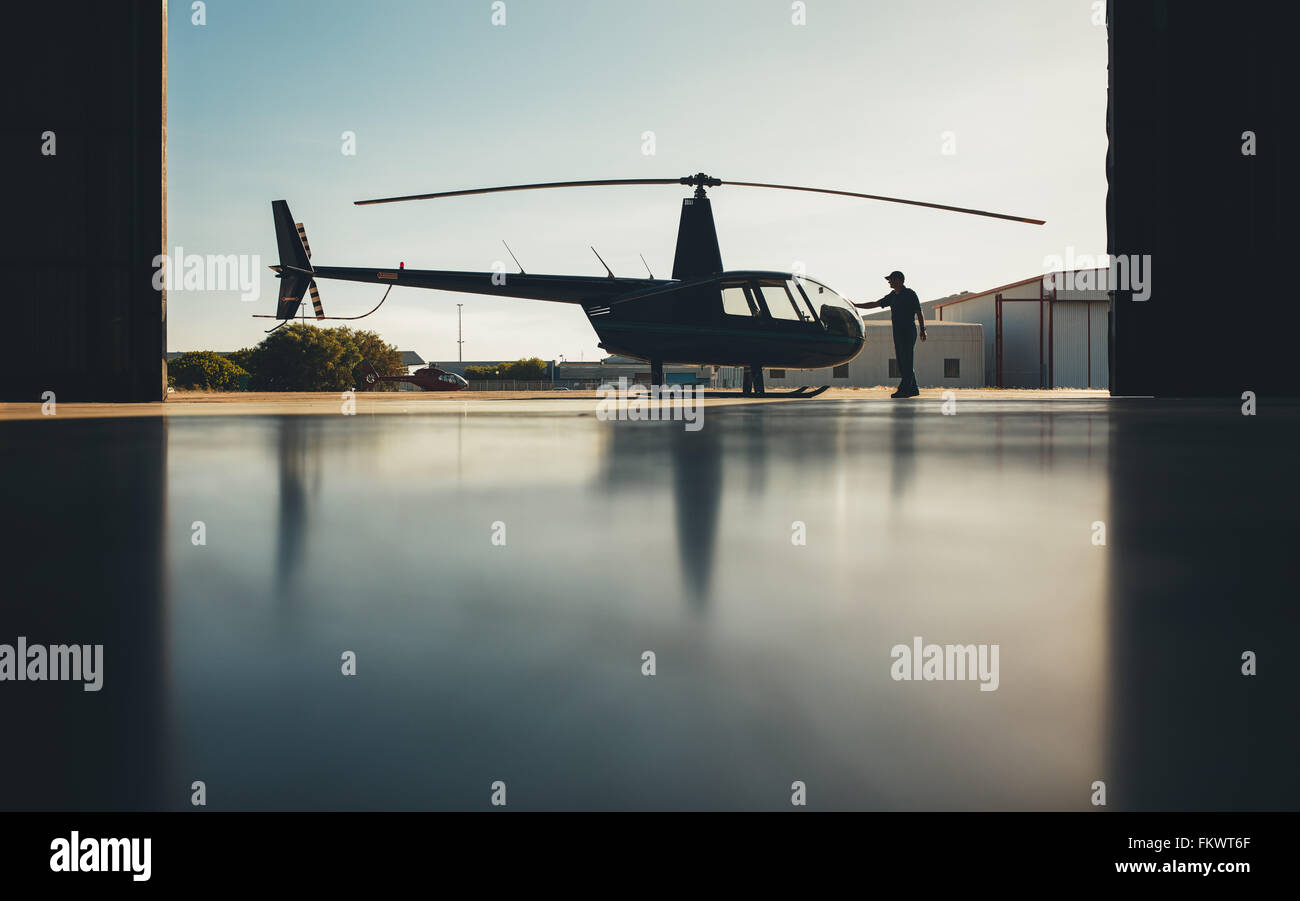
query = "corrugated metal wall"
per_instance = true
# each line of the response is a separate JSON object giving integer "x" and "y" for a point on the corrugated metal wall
{"x": 1022, "y": 361}
{"x": 1079, "y": 348}
{"x": 1070, "y": 344}
{"x": 1100, "y": 344}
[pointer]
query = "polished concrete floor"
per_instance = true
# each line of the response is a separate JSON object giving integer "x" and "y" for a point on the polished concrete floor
{"x": 499, "y": 577}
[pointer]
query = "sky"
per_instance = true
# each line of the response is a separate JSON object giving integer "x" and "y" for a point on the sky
{"x": 998, "y": 105}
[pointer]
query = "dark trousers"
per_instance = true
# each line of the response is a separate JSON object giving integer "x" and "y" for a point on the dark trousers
{"x": 904, "y": 346}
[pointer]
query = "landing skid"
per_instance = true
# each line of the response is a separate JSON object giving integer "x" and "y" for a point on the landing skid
{"x": 801, "y": 391}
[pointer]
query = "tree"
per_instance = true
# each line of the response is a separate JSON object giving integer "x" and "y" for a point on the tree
{"x": 206, "y": 370}
{"x": 525, "y": 370}
{"x": 242, "y": 358}
{"x": 530, "y": 369}
{"x": 386, "y": 358}
{"x": 302, "y": 357}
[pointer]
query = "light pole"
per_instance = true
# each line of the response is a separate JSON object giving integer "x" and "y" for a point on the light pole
{"x": 460, "y": 344}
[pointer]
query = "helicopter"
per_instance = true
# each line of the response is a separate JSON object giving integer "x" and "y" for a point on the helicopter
{"x": 702, "y": 315}
{"x": 429, "y": 379}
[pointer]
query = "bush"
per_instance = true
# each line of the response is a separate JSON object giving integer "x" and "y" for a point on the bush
{"x": 241, "y": 358}
{"x": 206, "y": 370}
{"x": 526, "y": 370}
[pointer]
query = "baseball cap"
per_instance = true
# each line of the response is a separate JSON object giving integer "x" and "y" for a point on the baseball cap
{"x": 895, "y": 274}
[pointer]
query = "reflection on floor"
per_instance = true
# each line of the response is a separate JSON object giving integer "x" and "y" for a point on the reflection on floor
{"x": 501, "y": 577}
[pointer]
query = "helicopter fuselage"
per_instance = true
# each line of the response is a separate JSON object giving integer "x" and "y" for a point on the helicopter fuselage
{"x": 757, "y": 318}
{"x": 736, "y": 318}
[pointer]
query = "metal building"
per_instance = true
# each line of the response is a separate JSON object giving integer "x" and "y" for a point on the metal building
{"x": 412, "y": 361}
{"x": 1048, "y": 331}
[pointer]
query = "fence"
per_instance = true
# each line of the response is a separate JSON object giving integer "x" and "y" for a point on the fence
{"x": 516, "y": 384}
{"x": 544, "y": 385}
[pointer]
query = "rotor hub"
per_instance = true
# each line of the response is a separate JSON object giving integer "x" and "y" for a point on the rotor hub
{"x": 700, "y": 181}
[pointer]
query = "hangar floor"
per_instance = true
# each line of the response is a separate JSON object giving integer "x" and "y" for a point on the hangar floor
{"x": 500, "y": 573}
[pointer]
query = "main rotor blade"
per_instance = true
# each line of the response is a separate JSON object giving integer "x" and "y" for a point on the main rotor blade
{"x": 549, "y": 184}
{"x": 700, "y": 179}
{"x": 935, "y": 206}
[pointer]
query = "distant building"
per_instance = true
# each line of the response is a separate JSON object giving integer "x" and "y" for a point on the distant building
{"x": 412, "y": 361}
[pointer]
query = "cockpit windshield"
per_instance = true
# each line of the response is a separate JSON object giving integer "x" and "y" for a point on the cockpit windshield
{"x": 819, "y": 294}
{"x": 836, "y": 313}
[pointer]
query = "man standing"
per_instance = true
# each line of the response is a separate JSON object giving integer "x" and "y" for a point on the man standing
{"x": 903, "y": 305}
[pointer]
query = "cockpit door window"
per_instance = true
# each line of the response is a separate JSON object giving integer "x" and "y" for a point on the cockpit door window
{"x": 738, "y": 301}
{"x": 779, "y": 303}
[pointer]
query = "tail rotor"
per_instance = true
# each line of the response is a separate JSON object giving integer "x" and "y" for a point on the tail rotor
{"x": 315, "y": 295}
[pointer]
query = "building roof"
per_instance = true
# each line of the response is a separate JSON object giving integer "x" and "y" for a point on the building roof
{"x": 1008, "y": 285}
{"x": 1026, "y": 281}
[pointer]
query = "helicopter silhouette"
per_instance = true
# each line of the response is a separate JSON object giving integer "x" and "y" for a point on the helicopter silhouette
{"x": 703, "y": 315}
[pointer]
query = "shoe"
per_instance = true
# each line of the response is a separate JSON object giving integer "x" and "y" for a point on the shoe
{"x": 898, "y": 394}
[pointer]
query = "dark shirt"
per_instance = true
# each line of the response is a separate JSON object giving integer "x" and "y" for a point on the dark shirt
{"x": 903, "y": 306}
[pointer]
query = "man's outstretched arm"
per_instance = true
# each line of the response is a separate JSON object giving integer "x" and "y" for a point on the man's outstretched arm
{"x": 870, "y": 306}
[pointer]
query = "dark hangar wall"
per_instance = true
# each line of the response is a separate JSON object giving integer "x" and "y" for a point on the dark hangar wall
{"x": 84, "y": 225}
{"x": 1187, "y": 78}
